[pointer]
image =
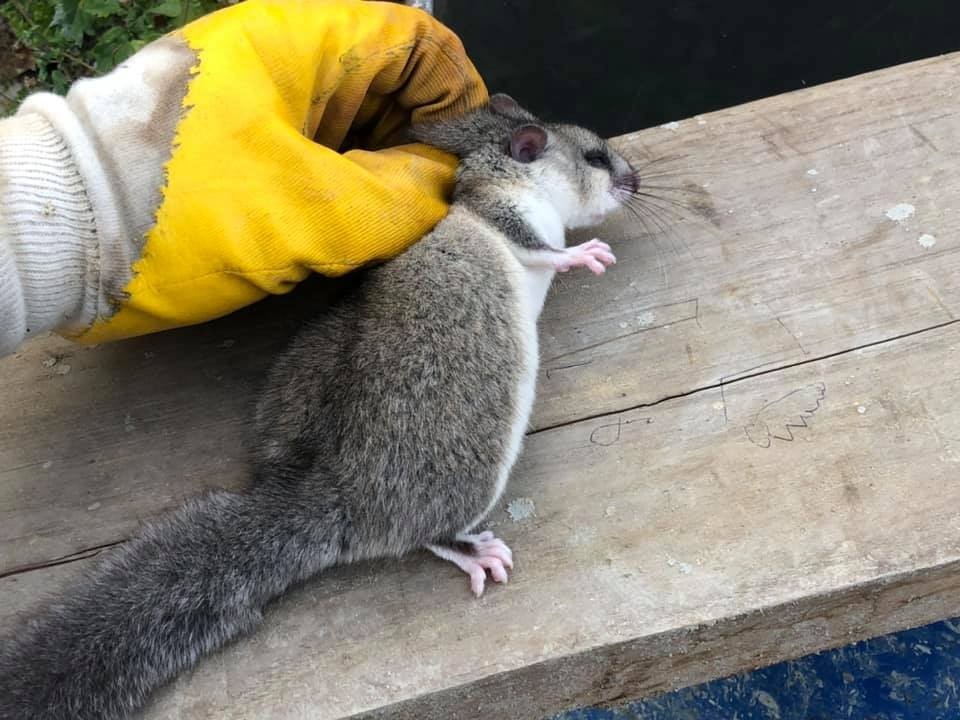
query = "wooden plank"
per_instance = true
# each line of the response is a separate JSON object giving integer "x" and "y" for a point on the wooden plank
{"x": 667, "y": 544}
{"x": 702, "y": 545}
{"x": 768, "y": 264}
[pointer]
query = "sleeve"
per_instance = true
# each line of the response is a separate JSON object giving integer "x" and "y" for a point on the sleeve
{"x": 48, "y": 241}
{"x": 225, "y": 162}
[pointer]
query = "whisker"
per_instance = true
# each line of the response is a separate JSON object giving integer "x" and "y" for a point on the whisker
{"x": 644, "y": 192}
{"x": 696, "y": 190}
{"x": 669, "y": 231}
{"x": 660, "y": 159}
{"x": 661, "y": 217}
{"x": 668, "y": 176}
{"x": 655, "y": 221}
{"x": 661, "y": 164}
{"x": 676, "y": 213}
{"x": 691, "y": 176}
{"x": 644, "y": 219}
{"x": 666, "y": 213}
{"x": 649, "y": 227}
{"x": 656, "y": 216}
{"x": 639, "y": 215}
{"x": 687, "y": 193}
{"x": 654, "y": 204}
{"x": 689, "y": 196}
{"x": 670, "y": 201}
{"x": 649, "y": 215}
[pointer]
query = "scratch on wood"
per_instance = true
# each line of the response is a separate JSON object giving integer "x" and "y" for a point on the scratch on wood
{"x": 936, "y": 298}
{"x": 781, "y": 134}
{"x": 601, "y": 436}
{"x": 736, "y": 377}
{"x": 801, "y": 404}
{"x": 598, "y": 436}
{"x": 795, "y": 338}
{"x": 547, "y": 371}
{"x": 773, "y": 147}
{"x": 923, "y": 138}
{"x": 83, "y": 554}
{"x": 17, "y": 468}
{"x": 692, "y": 316}
{"x": 743, "y": 374}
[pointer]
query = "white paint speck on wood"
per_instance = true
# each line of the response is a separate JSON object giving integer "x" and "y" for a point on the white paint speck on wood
{"x": 900, "y": 212}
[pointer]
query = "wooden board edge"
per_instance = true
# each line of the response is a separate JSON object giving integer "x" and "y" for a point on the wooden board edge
{"x": 651, "y": 665}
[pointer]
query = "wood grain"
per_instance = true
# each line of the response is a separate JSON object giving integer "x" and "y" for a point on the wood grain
{"x": 745, "y": 444}
{"x": 768, "y": 264}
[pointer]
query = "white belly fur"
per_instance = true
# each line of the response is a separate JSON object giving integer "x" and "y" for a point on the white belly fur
{"x": 531, "y": 285}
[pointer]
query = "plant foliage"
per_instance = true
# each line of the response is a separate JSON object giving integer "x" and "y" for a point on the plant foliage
{"x": 70, "y": 39}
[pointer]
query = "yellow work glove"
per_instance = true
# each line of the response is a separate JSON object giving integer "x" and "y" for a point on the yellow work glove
{"x": 235, "y": 156}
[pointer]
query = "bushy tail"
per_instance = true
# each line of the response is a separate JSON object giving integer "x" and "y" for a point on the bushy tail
{"x": 189, "y": 583}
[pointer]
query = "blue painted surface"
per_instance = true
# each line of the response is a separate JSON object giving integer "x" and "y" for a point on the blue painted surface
{"x": 913, "y": 675}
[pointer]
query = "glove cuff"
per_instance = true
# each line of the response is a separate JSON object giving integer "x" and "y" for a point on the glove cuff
{"x": 48, "y": 240}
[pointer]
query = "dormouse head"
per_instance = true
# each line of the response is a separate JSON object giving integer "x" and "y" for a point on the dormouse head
{"x": 505, "y": 146}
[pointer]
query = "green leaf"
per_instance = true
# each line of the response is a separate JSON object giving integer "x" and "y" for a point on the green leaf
{"x": 69, "y": 22}
{"x": 168, "y": 8}
{"x": 69, "y": 39}
{"x": 100, "y": 8}
{"x": 61, "y": 83}
{"x": 66, "y": 11}
{"x": 112, "y": 35}
{"x": 112, "y": 47}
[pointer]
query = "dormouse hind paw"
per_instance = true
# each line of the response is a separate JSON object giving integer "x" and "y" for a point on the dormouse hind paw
{"x": 476, "y": 555}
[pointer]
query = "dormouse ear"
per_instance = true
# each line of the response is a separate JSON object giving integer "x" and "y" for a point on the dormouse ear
{"x": 527, "y": 143}
{"x": 506, "y": 105}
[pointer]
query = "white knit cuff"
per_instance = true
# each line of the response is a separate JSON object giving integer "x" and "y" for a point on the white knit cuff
{"x": 48, "y": 241}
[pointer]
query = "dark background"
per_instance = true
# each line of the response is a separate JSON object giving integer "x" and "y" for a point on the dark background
{"x": 622, "y": 65}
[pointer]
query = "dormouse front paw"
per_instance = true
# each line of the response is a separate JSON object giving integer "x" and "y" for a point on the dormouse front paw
{"x": 594, "y": 254}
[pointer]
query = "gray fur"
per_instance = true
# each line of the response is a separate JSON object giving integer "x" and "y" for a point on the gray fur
{"x": 381, "y": 430}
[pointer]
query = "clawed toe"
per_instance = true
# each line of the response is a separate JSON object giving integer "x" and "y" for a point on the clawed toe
{"x": 488, "y": 554}
{"x": 496, "y": 567}
{"x": 496, "y": 549}
{"x": 478, "y": 578}
{"x": 595, "y": 255}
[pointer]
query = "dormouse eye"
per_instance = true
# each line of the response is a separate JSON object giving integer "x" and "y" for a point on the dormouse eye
{"x": 598, "y": 159}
